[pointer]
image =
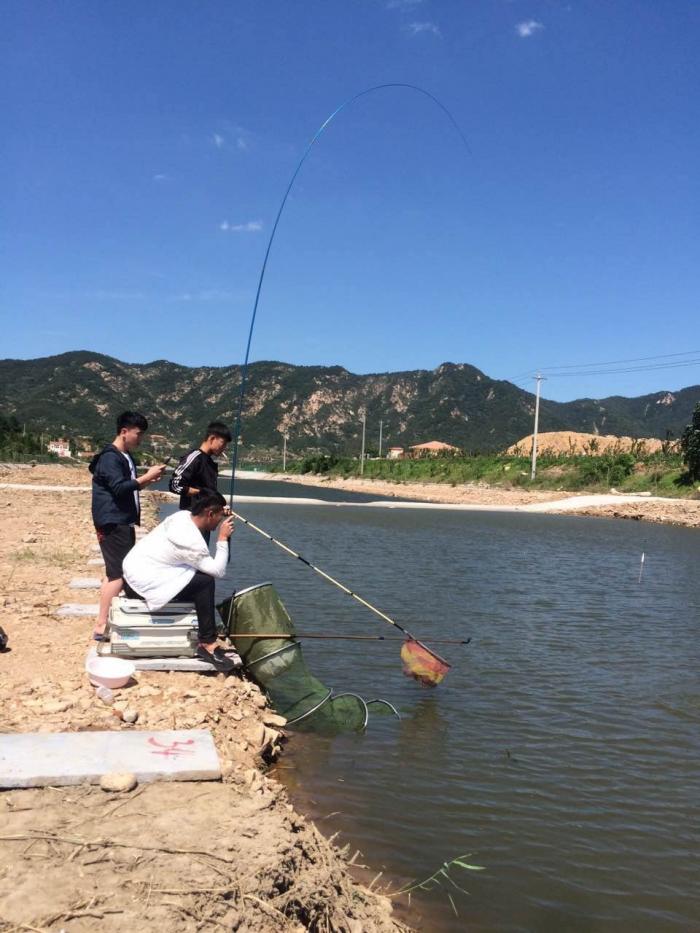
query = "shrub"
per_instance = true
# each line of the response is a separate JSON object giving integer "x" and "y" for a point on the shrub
{"x": 690, "y": 445}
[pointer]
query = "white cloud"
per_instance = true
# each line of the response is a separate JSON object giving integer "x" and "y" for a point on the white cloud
{"x": 416, "y": 28}
{"x": 233, "y": 136}
{"x": 160, "y": 178}
{"x": 252, "y": 226}
{"x": 210, "y": 294}
{"x": 528, "y": 28}
{"x": 402, "y": 4}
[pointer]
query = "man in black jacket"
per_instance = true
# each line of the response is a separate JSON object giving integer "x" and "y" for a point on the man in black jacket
{"x": 115, "y": 504}
{"x": 197, "y": 471}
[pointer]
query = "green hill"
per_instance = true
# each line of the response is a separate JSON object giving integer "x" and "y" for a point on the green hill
{"x": 320, "y": 407}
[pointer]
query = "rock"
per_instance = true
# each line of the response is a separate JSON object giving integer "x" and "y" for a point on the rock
{"x": 130, "y": 715}
{"x": 29, "y": 539}
{"x": 118, "y": 783}
{"x": 273, "y": 719}
{"x": 55, "y": 706}
{"x": 259, "y": 701}
{"x": 236, "y": 715}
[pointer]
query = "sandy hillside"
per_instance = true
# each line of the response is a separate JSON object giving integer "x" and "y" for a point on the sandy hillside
{"x": 573, "y": 442}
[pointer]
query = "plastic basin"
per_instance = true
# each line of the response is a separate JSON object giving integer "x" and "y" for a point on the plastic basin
{"x": 109, "y": 672}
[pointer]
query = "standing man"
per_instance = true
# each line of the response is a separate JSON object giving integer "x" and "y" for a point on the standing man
{"x": 116, "y": 509}
{"x": 197, "y": 472}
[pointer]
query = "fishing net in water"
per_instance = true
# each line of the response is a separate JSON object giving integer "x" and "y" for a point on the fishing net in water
{"x": 277, "y": 665}
{"x": 422, "y": 664}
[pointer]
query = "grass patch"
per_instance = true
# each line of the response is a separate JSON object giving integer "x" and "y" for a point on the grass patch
{"x": 56, "y": 558}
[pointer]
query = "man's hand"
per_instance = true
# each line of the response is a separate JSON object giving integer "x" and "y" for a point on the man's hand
{"x": 152, "y": 474}
{"x": 226, "y": 529}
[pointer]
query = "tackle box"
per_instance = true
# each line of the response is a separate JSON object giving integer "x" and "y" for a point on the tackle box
{"x": 137, "y": 632}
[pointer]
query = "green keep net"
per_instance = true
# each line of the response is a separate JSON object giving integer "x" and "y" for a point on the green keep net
{"x": 278, "y": 666}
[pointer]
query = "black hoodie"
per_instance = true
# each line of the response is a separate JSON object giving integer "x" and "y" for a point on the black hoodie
{"x": 115, "y": 498}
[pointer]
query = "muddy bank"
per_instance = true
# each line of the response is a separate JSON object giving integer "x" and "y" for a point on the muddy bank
{"x": 684, "y": 512}
{"x": 181, "y": 857}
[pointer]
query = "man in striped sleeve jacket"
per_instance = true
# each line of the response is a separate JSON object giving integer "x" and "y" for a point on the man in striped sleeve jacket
{"x": 197, "y": 471}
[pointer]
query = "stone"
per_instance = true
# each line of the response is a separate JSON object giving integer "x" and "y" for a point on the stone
{"x": 259, "y": 701}
{"x": 273, "y": 719}
{"x": 68, "y": 610}
{"x": 96, "y": 562}
{"x": 85, "y": 583}
{"x": 130, "y": 715}
{"x": 55, "y": 706}
{"x": 29, "y": 539}
{"x": 61, "y": 758}
{"x": 116, "y": 783}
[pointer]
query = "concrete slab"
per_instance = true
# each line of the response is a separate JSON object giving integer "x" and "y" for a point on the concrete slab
{"x": 79, "y": 610}
{"x": 181, "y": 664}
{"x": 85, "y": 583}
{"x": 164, "y": 664}
{"x": 36, "y": 759}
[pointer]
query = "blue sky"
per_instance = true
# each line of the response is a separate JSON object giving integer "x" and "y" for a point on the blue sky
{"x": 147, "y": 147}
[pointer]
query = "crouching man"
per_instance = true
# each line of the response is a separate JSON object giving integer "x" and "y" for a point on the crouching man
{"x": 172, "y": 564}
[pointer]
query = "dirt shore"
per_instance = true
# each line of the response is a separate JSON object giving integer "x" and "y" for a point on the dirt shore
{"x": 179, "y": 857}
{"x": 684, "y": 512}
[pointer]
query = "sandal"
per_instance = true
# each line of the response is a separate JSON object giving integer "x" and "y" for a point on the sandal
{"x": 216, "y": 658}
{"x": 100, "y": 636}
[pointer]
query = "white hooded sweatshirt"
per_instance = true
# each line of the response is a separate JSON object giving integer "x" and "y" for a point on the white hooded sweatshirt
{"x": 164, "y": 561}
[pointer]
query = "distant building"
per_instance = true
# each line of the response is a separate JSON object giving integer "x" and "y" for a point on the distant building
{"x": 432, "y": 449}
{"x": 395, "y": 453}
{"x": 60, "y": 447}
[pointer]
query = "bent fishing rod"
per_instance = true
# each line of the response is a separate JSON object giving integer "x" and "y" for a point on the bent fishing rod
{"x": 317, "y": 134}
{"x": 341, "y": 586}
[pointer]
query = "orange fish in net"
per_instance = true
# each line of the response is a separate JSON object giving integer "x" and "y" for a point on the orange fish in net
{"x": 422, "y": 664}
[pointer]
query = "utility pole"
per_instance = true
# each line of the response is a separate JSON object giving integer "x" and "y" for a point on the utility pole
{"x": 284, "y": 455}
{"x": 362, "y": 455}
{"x": 380, "y": 438}
{"x": 533, "y": 472}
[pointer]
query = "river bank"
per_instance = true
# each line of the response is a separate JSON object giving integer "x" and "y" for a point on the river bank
{"x": 683, "y": 512}
{"x": 182, "y": 856}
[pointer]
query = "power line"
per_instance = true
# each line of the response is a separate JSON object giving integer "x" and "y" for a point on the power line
{"x": 627, "y": 369}
{"x": 637, "y": 359}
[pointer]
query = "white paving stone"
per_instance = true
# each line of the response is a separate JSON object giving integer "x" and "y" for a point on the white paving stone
{"x": 36, "y": 759}
{"x": 180, "y": 664}
{"x": 77, "y": 609}
{"x": 85, "y": 583}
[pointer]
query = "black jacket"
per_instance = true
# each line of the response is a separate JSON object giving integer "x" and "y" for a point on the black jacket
{"x": 195, "y": 469}
{"x": 113, "y": 499}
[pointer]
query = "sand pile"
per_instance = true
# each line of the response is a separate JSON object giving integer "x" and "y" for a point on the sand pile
{"x": 574, "y": 442}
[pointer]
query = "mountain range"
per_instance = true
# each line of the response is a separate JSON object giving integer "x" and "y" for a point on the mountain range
{"x": 319, "y": 407}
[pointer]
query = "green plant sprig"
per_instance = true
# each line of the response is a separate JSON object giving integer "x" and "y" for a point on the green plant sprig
{"x": 438, "y": 879}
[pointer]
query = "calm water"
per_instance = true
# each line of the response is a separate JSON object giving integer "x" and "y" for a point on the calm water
{"x": 561, "y": 751}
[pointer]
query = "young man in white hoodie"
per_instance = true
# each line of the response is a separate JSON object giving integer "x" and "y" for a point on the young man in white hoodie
{"x": 172, "y": 564}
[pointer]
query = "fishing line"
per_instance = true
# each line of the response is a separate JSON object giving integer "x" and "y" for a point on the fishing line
{"x": 317, "y": 134}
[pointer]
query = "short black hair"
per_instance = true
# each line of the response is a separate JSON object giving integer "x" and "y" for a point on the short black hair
{"x": 131, "y": 419}
{"x": 218, "y": 429}
{"x": 207, "y": 500}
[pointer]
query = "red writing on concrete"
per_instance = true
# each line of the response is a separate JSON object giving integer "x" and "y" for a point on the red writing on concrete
{"x": 172, "y": 750}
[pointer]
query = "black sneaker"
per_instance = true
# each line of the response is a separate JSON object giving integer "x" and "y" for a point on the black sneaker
{"x": 216, "y": 658}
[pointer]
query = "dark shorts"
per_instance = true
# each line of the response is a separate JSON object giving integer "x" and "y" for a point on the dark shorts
{"x": 115, "y": 543}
